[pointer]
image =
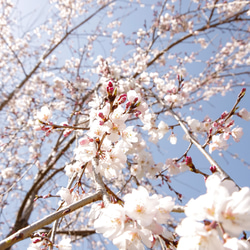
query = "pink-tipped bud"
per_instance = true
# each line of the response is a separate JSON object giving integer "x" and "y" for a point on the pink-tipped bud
{"x": 36, "y": 241}
{"x": 230, "y": 124}
{"x": 110, "y": 90}
{"x": 135, "y": 100}
{"x": 213, "y": 169}
{"x": 101, "y": 115}
{"x": 110, "y": 84}
{"x": 122, "y": 98}
{"x": 189, "y": 161}
{"x": 242, "y": 93}
{"x": 215, "y": 124}
{"x": 128, "y": 104}
{"x": 224, "y": 114}
{"x": 137, "y": 113}
{"x": 46, "y": 196}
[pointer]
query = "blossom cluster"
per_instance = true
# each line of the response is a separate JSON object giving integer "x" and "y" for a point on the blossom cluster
{"x": 219, "y": 131}
{"x": 138, "y": 220}
{"x": 216, "y": 219}
{"x": 135, "y": 223}
{"x": 112, "y": 140}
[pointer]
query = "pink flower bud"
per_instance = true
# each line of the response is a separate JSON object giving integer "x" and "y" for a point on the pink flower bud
{"x": 188, "y": 161}
{"x": 137, "y": 113}
{"x": 110, "y": 90}
{"x": 36, "y": 241}
{"x": 223, "y": 115}
{"x": 122, "y": 98}
{"x": 213, "y": 169}
{"x": 179, "y": 196}
{"x": 101, "y": 115}
{"x": 135, "y": 100}
{"x": 242, "y": 93}
{"x": 128, "y": 104}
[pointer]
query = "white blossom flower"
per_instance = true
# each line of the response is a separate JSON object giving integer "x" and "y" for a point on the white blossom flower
{"x": 45, "y": 114}
{"x": 244, "y": 114}
{"x": 85, "y": 151}
{"x": 195, "y": 125}
{"x": 7, "y": 173}
{"x": 211, "y": 205}
{"x": 111, "y": 221}
{"x": 158, "y": 133}
{"x": 118, "y": 117}
{"x": 194, "y": 235}
{"x": 65, "y": 195}
{"x": 134, "y": 239}
{"x": 140, "y": 206}
{"x": 173, "y": 139}
{"x": 173, "y": 167}
{"x": 111, "y": 163}
{"x": 235, "y": 214}
{"x": 237, "y": 133}
{"x": 37, "y": 244}
{"x": 129, "y": 136}
{"x": 218, "y": 142}
{"x": 163, "y": 209}
{"x": 236, "y": 244}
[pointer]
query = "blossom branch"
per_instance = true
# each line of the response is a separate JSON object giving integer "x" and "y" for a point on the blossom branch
{"x": 47, "y": 54}
{"x": 200, "y": 148}
{"x": 27, "y": 231}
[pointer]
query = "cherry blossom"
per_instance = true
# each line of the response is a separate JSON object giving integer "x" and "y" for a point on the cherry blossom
{"x": 234, "y": 243}
{"x": 237, "y": 133}
{"x": 134, "y": 239}
{"x": 140, "y": 206}
{"x": 218, "y": 143}
{"x": 44, "y": 115}
{"x": 244, "y": 114}
{"x": 111, "y": 221}
{"x": 195, "y": 235}
{"x": 94, "y": 99}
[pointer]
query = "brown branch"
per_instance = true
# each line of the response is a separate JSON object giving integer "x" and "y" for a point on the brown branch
{"x": 29, "y": 230}
{"x": 205, "y": 27}
{"x": 27, "y": 204}
{"x": 46, "y": 54}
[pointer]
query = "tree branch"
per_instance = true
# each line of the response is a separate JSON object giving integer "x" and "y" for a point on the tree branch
{"x": 46, "y": 54}
{"x": 27, "y": 231}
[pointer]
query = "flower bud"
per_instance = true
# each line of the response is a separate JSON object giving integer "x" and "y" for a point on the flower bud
{"x": 213, "y": 169}
{"x": 188, "y": 161}
{"x": 101, "y": 115}
{"x": 122, "y": 98}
